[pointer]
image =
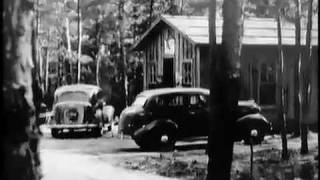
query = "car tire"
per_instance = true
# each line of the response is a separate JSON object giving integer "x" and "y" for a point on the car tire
{"x": 55, "y": 133}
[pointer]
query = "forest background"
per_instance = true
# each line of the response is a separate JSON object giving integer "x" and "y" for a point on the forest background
{"x": 95, "y": 36}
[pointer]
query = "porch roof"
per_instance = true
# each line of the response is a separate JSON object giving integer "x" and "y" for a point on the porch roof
{"x": 257, "y": 31}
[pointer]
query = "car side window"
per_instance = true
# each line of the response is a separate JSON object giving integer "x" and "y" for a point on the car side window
{"x": 193, "y": 101}
{"x": 196, "y": 101}
{"x": 175, "y": 100}
{"x": 159, "y": 100}
{"x": 156, "y": 102}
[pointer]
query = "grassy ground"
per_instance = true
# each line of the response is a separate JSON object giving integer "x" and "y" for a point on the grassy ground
{"x": 192, "y": 164}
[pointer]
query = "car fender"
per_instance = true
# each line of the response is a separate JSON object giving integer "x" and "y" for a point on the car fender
{"x": 255, "y": 119}
{"x": 145, "y": 130}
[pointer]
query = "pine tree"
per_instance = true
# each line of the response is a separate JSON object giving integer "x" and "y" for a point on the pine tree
{"x": 19, "y": 130}
{"x": 224, "y": 91}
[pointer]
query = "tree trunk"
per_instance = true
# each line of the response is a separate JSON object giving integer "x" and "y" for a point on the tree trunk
{"x": 299, "y": 98}
{"x": 69, "y": 51}
{"x": 122, "y": 53}
{"x": 224, "y": 91}
{"x": 151, "y": 12}
{"x": 101, "y": 49}
{"x": 282, "y": 115}
{"x": 213, "y": 65}
{"x": 308, "y": 42}
{"x": 19, "y": 150}
{"x": 100, "y": 54}
{"x": 79, "y": 41}
{"x": 308, "y": 74}
{"x": 37, "y": 46}
{"x": 68, "y": 35}
{"x": 47, "y": 71}
{"x": 97, "y": 70}
{"x": 181, "y": 7}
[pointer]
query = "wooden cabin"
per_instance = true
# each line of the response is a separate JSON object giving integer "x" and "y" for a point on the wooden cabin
{"x": 176, "y": 48}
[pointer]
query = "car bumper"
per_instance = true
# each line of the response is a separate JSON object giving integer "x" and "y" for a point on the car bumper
{"x": 73, "y": 126}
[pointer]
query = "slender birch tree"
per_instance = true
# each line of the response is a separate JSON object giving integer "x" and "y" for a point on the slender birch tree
{"x": 299, "y": 88}
{"x": 282, "y": 114}
{"x": 308, "y": 64}
{"x": 79, "y": 41}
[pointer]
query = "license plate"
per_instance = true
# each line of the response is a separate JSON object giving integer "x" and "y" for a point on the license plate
{"x": 65, "y": 130}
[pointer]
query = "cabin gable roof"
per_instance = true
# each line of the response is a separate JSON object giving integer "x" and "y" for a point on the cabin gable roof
{"x": 257, "y": 31}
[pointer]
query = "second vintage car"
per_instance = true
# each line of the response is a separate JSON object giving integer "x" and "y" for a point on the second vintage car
{"x": 159, "y": 117}
{"x": 79, "y": 107}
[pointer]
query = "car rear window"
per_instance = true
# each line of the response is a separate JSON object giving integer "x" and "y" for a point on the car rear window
{"x": 73, "y": 96}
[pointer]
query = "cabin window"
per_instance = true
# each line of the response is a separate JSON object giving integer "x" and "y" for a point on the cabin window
{"x": 152, "y": 73}
{"x": 268, "y": 84}
{"x": 187, "y": 73}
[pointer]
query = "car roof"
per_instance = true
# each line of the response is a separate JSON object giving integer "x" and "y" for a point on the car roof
{"x": 87, "y": 88}
{"x": 162, "y": 91}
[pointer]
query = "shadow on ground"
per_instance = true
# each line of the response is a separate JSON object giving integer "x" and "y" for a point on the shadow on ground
{"x": 184, "y": 147}
{"x": 77, "y": 135}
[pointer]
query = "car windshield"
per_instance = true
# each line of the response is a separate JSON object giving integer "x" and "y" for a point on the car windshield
{"x": 139, "y": 101}
{"x": 73, "y": 96}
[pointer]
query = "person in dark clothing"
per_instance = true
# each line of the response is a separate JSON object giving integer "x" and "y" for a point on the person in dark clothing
{"x": 98, "y": 105}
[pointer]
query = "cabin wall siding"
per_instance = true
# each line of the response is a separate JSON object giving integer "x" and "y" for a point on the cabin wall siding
{"x": 185, "y": 51}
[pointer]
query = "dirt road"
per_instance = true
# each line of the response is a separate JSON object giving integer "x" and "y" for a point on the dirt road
{"x": 112, "y": 158}
{"x": 89, "y": 159}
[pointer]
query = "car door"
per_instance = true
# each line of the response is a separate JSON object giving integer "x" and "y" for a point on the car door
{"x": 176, "y": 112}
{"x": 157, "y": 107}
{"x": 197, "y": 114}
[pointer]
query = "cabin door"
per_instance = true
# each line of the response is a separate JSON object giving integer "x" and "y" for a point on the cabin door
{"x": 168, "y": 75}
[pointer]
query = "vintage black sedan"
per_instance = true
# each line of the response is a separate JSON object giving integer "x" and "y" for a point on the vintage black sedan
{"x": 159, "y": 117}
{"x": 78, "y": 107}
